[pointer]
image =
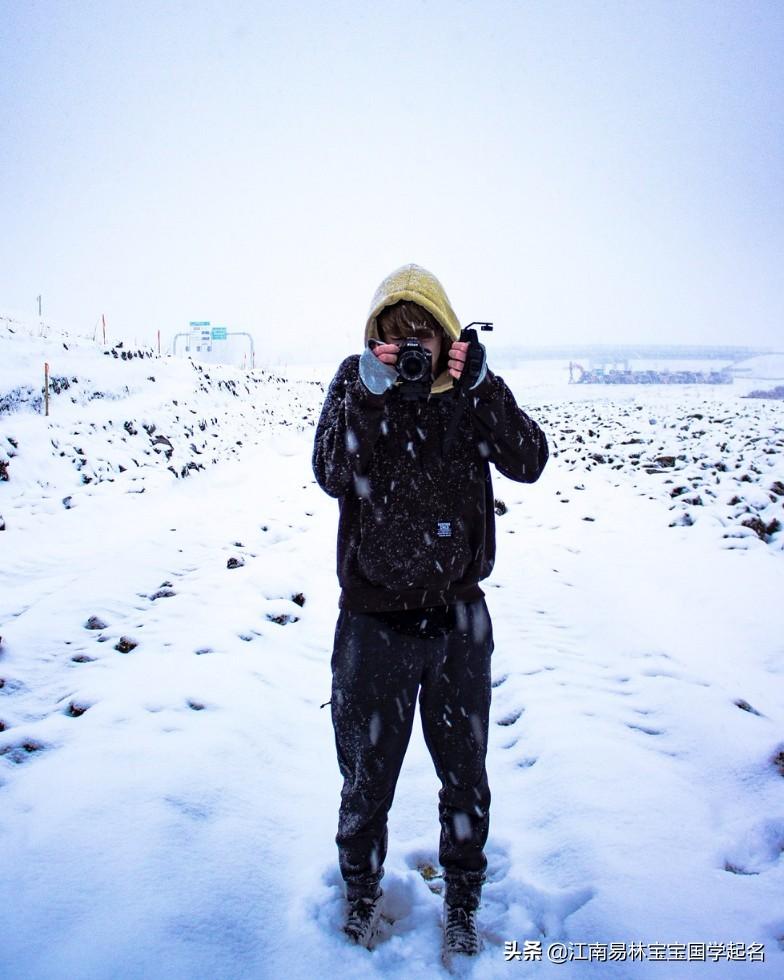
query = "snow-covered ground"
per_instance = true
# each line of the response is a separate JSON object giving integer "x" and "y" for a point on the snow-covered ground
{"x": 168, "y": 786}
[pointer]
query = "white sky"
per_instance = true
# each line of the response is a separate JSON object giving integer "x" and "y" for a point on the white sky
{"x": 598, "y": 171}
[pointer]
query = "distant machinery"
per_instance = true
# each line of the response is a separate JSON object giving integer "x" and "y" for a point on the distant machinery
{"x": 649, "y": 377}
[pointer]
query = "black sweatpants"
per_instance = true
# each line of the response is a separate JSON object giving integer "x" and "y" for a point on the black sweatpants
{"x": 377, "y": 672}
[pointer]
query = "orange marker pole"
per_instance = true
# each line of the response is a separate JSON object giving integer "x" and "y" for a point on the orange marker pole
{"x": 103, "y": 322}
{"x": 46, "y": 385}
{"x": 159, "y": 343}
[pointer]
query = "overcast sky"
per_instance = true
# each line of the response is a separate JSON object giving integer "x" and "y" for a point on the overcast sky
{"x": 576, "y": 170}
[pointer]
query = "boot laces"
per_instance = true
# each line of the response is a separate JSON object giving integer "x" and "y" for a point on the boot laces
{"x": 460, "y": 930}
{"x": 361, "y": 919}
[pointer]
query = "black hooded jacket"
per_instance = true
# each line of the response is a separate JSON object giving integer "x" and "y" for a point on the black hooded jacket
{"x": 417, "y": 524}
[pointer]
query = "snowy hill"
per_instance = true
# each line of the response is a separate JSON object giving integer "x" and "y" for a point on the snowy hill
{"x": 124, "y": 415}
{"x": 168, "y": 786}
{"x": 770, "y": 367}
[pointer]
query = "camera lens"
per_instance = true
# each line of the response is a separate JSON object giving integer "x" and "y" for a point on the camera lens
{"x": 410, "y": 365}
{"x": 413, "y": 364}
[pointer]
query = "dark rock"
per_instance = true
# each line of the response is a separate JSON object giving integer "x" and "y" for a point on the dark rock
{"x": 163, "y": 441}
{"x": 196, "y": 705}
{"x": 500, "y": 507}
{"x": 736, "y": 869}
{"x": 778, "y": 760}
{"x": 3, "y": 469}
{"x": 61, "y": 384}
{"x": 665, "y": 460}
{"x": 299, "y": 599}
{"x": 125, "y": 645}
{"x": 235, "y": 563}
{"x": 130, "y": 428}
{"x": 282, "y": 619}
{"x": 68, "y": 502}
{"x": 757, "y": 526}
{"x": 82, "y": 658}
{"x": 776, "y": 393}
{"x": 95, "y": 623}
{"x": 164, "y": 593}
{"x": 19, "y": 753}
{"x": 777, "y": 487}
{"x": 745, "y": 706}
{"x": 75, "y": 710}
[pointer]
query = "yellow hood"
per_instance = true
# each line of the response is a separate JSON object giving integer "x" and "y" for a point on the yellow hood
{"x": 416, "y": 284}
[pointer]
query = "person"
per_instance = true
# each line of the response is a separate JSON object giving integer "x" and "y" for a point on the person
{"x": 416, "y": 535}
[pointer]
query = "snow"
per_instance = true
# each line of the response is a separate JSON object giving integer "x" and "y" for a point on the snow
{"x": 170, "y": 810}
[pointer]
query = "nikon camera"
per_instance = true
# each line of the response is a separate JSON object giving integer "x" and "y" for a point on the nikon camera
{"x": 413, "y": 369}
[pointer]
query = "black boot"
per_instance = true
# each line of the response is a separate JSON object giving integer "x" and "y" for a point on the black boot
{"x": 460, "y": 933}
{"x": 362, "y": 919}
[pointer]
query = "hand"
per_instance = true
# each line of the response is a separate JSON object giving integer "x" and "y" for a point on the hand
{"x": 386, "y": 353}
{"x": 457, "y": 358}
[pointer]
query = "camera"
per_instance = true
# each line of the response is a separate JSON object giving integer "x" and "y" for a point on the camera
{"x": 413, "y": 362}
{"x": 413, "y": 369}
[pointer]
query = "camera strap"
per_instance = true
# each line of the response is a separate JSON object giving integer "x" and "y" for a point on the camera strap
{"x": 462, "y": 398}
